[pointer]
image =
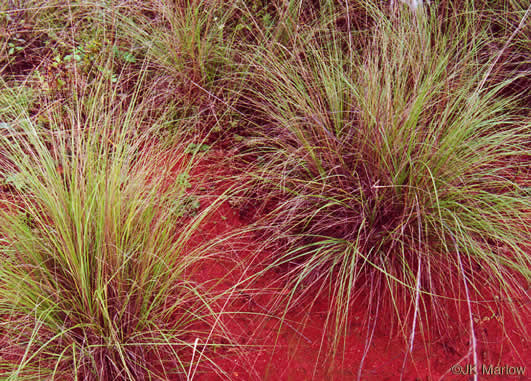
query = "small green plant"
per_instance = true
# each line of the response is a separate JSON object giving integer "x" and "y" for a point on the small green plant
{"x": 186, "y": 207}
{"x": 124, "y": 55}
{"x": 16, "y": 180}
{"x": 15, "y": 45}
{"x": 183, "y": 180}
{"x": 195, "y": 148}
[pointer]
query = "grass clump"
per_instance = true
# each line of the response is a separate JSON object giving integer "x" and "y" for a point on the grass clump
{"x": 394, "y": 175}
{"x": 95, "y": 274}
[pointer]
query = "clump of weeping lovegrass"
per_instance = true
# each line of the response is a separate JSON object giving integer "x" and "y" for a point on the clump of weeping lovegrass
{"x": 95, "y": 259}
{"x": 394, "y": 176}
{"x": 188, "y": 47}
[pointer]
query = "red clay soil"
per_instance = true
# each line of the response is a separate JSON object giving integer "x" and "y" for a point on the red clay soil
{"x": 299, "y": 349}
